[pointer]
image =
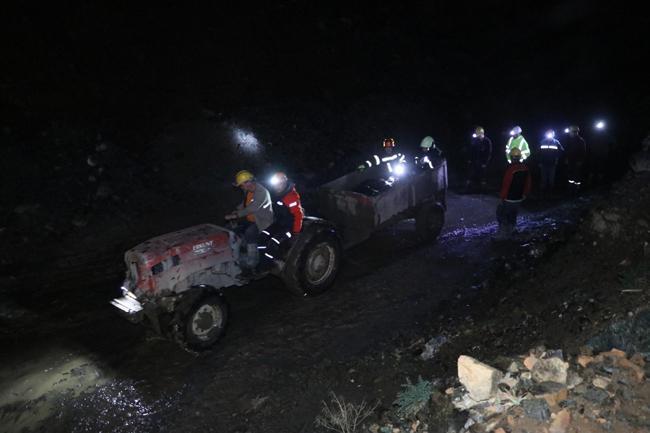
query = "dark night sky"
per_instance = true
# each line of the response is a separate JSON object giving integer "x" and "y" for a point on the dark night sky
{"x": 489, "y": 60}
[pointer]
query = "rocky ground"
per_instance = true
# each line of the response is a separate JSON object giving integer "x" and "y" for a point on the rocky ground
{"x": 588, "y": 296}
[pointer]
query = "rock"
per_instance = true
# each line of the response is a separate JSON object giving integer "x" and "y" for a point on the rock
{"x": 432, "y": 346}
{"x": 513, "y": 367}
{"x": 557, "y": 353}
{"x": 561, "y": 422}
{"x": 374, "y": 428}
{"x": 479, "y": 379}
{"x": 638, "y": 359}
{"x": 611, "y": 216}
{"x": 596, "y": 395}
{"x": 584, "y": 360}
{"x": 639, "y": 372}
{"x": 550, "y": 370}
{"x": 598, "y": 223}
{"x": 614, "y": 353}
{"x": 530, "y": 361}
{"x": 537, "y": 409}
{"x": 573, "y": 380}
{"x": 552, "y": 392}
{"x": 640, "y": 162}
{"x": 601, "y": 382}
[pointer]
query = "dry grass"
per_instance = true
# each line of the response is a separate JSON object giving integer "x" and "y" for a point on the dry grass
{"x": 343, "y": 417}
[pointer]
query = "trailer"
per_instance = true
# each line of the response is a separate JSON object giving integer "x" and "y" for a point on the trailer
{"x": 360, "y": 203}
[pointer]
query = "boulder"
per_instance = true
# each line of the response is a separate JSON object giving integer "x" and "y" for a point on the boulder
{"x": 536, "y": 409}
{"x": 479, "y": 379}
{"x": 550, "y": 370}
{"x": 561, "y": 422}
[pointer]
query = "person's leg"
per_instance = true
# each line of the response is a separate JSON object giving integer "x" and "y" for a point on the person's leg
{"x": 543, "y": 171}
{"x": 251, "y": 238}
{"x": 502, "y": 220}
{"x": 513, "y": 210}
{"x": 551, "y": 178}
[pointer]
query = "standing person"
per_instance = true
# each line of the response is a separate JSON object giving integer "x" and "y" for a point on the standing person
{"x": 479, "y": 155}
{"x": 576, "y": 153}
{"x": 256, "y": 212}
{"x": 429, "y": 154}
{"x": 514, "y": 189}
{"x": 288, "y": 215}
{"x": 391, "y": 158}
{"x": 550, "y": 151}
{"x": 517, "y": 141}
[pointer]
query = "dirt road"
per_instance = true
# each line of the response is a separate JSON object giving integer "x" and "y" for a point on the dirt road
{"x": 69, "y": 363}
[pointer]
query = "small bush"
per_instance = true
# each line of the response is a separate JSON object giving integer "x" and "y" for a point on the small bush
{"x": 343, "y": 417}
{"x": 414, "y": 398}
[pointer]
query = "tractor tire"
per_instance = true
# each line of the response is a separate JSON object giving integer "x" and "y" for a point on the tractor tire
{"x": 205, "y": 322}
{"x": 316, "y": 266}
{"x": 429, "y": 221}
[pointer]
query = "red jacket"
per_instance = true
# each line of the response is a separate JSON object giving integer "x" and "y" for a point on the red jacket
{"x": 290, "y": 213}
{"x": 516, "y": 183}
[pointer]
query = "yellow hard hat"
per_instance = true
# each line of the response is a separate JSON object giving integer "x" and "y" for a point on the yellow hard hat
{"x": 242, "y": 177}
{"x": 479, "y": 130}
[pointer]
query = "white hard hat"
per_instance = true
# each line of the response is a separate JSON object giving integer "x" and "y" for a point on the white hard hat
{"x": 516, "y": 130}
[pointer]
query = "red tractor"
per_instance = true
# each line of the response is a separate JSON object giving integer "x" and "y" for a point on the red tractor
{"x": 174, "y": 282}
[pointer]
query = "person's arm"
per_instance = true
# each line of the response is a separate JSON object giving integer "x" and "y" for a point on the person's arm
{"x": 292, "y": 202}
{"x": 489, "y": 155}
{"x": 508, "y": 147}
{"x": 525, "y": 150}
{"x": 261, "y": 198}
{"x": 298, "y": 214}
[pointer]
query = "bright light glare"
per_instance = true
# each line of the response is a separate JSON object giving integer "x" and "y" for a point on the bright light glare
{"x": 400, "y": 169}
{"x": 550, "y": 134}
{"x": 512, "y": 132}
{"x": 246, "y": 140}
{"x": 600, "y": 125}
{"x": 474, "y": 135}
{"x": 274, "y": 180}
{"x": 566, "y": 130}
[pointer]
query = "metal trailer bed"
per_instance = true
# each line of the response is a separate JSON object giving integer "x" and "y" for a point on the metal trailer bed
{"x": 420, "y": 193}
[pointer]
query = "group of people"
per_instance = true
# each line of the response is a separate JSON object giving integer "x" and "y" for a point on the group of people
{"x": 268, "y": 220}
{"x": 393, "y": 159}
{"x": 517, "y": 181}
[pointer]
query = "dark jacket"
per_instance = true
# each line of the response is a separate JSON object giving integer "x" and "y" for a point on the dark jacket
{"x": 480, "y": 150}
{"x": 575, "y": 147}
{"x": 550, "y": 151}
{"x": 516, "y": 183}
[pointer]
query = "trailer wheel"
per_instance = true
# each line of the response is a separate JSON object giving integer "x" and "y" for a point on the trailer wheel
{"x": 205, "y": 322}
{"x": 316, "y": 266}
{"x": 429, "y": 221}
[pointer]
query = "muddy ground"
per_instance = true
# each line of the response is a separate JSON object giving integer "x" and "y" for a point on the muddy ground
{"x": 69, "y": 363}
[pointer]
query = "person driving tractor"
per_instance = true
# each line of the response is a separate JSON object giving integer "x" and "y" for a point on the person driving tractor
{"x": 256, "y": 213}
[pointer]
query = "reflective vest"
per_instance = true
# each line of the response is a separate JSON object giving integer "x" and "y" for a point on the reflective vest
{"x": 520, "y": 143}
